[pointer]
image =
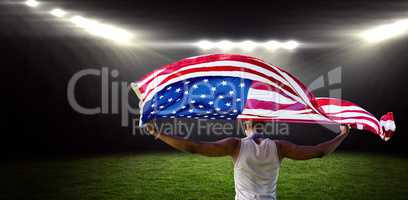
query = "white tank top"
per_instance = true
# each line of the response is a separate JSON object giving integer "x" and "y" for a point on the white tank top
{"x": 256, "y": 170}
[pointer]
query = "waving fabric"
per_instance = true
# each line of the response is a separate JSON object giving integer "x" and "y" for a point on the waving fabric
{"x": 224, "y": 86}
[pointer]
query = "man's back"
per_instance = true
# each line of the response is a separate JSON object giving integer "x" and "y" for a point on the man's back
{"x": 256, "y": 170}
{"x": 256, "y": 166}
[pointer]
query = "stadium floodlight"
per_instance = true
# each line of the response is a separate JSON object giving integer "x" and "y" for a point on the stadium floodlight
{"x": 290, "y": 45}
{"x": 106, "y": 31}
{"x": 272, "y": 45}
{"x": 225, "y": 45}
{"x": 386, "y": 31}
{"x": 205, "y": 44}
{"x": 247, "y": 45}
{"x": 32, "y": 3}
{"x": 58, "y": 12}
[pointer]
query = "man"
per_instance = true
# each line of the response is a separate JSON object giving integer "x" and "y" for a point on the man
{"x": 256, "y": 159}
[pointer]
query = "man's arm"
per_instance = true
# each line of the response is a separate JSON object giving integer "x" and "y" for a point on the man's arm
{"x": 302, "y": 152}
{"x": 224, "y": 147}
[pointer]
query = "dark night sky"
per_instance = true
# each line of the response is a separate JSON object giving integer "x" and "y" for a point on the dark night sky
{"x": 40, "y": 55}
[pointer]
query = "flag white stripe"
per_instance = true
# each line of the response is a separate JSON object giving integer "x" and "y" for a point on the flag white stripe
{"x": 352, "y": 114}
{"x": 308, "y": 117}
{"x": 335, "y": 108}
{"x": 271, "y": 113}
{"x": 267, "y": 95}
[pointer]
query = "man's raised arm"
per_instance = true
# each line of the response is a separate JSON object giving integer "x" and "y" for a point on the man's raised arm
{"x": 224, "y": 147}
{"x": 302, "y": 152}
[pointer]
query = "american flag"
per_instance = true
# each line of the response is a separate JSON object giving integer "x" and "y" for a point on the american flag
{"x": 225, "y": 86}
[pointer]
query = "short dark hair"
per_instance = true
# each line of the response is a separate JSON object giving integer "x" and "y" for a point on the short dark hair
{"x": 259, "y": 126}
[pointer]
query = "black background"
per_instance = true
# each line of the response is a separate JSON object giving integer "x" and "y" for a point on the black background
{"x": 40, "y": 55}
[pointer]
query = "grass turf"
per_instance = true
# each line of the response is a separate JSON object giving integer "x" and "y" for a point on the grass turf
{"x": 183, "y": 176}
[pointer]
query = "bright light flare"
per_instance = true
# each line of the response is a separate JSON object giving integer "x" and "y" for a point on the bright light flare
{"x": 386, "y": 31}
{"x": 58, "y": 12}
{"x": 290, "y": 45}
{"x": 205, "y": 44}
{"x": 225, "y": 45}
{"x": 247, "y": 45}
{"x": 32, "y": 3}
{"x": 272, "y": 45}
{"x": 106, "y": 31}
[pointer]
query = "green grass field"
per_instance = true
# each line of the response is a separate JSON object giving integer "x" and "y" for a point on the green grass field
{"x": 184, "y": 176}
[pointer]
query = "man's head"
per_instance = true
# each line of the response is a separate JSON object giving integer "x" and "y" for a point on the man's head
{"x": 251, "y": 127}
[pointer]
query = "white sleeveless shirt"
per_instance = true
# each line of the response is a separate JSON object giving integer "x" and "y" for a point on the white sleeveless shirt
{"x": 256, "y": 170}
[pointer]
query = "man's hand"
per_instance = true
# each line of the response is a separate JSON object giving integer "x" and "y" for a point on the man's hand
{"x": 344, "y": 129}
{"x": 150, "y": 127}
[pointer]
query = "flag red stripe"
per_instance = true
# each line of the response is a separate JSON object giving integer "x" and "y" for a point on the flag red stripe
{"x": 270, "y": 105}
{"x": 332, "y": 101}
{"x": 266, "y": 119}
{"x": 350, "y": 111}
